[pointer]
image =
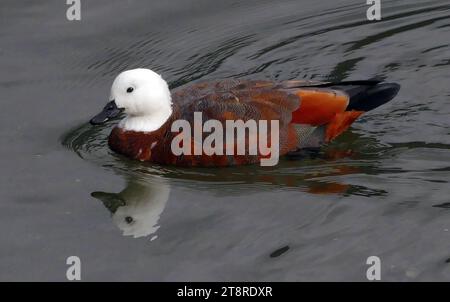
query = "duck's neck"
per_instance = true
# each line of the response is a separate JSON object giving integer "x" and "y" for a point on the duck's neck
{"x": 146, "y": 123}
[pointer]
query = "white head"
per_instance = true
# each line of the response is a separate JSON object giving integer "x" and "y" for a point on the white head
{"x": 145, "y": 98}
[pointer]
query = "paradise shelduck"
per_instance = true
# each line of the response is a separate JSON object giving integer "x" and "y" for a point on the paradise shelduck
{"x": 307, "y": 114}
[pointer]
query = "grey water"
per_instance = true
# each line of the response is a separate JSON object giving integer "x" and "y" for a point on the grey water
{"x": 382, "y": 189}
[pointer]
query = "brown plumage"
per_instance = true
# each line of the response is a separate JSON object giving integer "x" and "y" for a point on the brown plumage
{"x": 309, "y": 114}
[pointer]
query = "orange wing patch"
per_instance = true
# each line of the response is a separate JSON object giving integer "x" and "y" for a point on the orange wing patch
{"x": 340, "y": 123}
{"x": 318, "y": 107}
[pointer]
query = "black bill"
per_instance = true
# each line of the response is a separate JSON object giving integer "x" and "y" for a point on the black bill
{"x": 109, "y": 111}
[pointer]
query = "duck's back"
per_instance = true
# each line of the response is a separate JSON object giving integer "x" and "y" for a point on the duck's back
{"x": 237, "y": 100}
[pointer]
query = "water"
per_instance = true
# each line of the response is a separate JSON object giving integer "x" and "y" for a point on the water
{"x": 381, "y": 189}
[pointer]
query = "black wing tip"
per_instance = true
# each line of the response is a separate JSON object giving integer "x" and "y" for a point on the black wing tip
{"x": 384, "y": 91}
{"x": 374, "y": 96}
{"x": 394, "y": 88}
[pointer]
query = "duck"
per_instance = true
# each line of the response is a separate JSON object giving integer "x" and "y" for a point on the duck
{"x": 299, "y": 114}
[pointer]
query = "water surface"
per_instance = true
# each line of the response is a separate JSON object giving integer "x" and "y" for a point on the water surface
{"x": 380, "y": 189}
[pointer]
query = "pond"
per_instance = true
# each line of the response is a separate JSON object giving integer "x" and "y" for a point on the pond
{"x": 381, "y": 189}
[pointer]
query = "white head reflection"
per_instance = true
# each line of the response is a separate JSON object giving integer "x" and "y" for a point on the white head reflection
{"x": 136, "y": 209}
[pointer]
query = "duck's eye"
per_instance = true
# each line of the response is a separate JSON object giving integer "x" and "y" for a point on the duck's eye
{"x": 129, "y": 219}
{"x": 130, "y": 89}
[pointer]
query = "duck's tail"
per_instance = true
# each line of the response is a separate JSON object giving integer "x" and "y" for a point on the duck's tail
{"x": 330, "y": 108}
{"x": 367, "y": 95}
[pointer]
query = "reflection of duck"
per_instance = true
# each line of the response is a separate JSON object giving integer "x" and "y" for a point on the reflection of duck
{"x": 309, "y": 114}
{"x": 137, "y": 208}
